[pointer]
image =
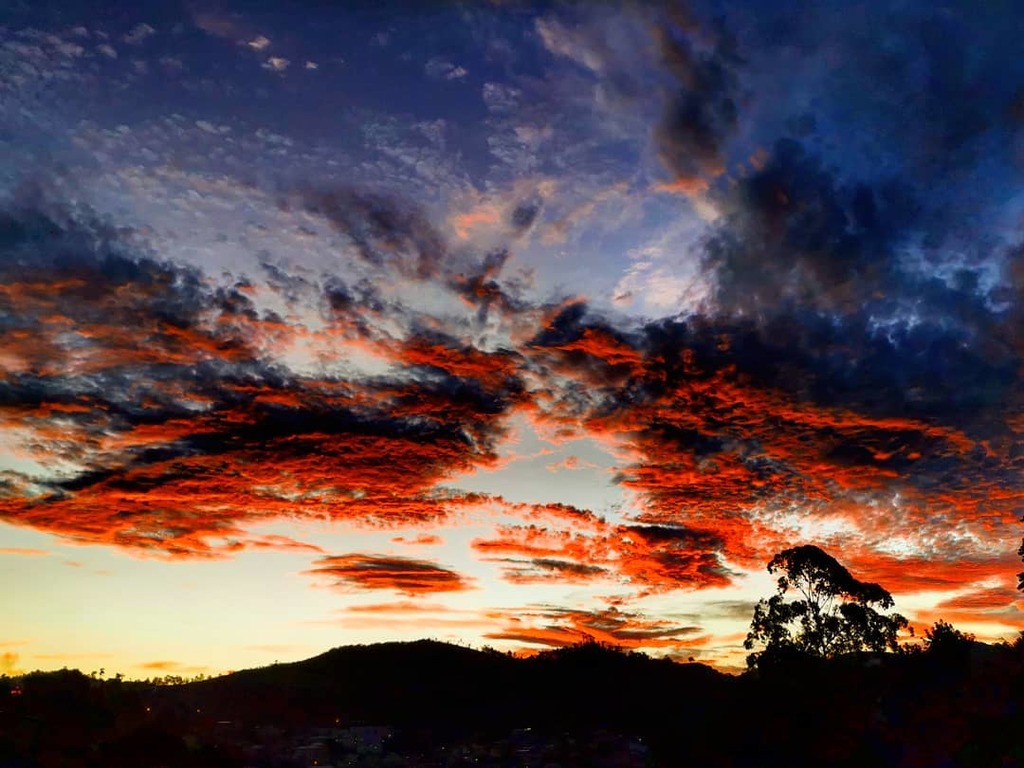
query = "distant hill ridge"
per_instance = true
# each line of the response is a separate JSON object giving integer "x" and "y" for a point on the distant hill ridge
{"x": 436, "y": 684}
{"x": 959, "y": 703}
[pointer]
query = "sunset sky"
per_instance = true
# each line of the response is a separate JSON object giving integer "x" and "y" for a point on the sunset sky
{"x": 501, "y": 323}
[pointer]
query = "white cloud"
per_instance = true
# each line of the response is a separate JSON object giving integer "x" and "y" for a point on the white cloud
{"x": 666, "y": 274}
{"x": 276, "y": 63}
{"x": 441, "y": 69}
{"x": 572, "y": 43}
{"x": 501, "y": 98}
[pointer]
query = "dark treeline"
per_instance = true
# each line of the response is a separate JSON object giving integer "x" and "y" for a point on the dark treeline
{"x": 954, "y": 703}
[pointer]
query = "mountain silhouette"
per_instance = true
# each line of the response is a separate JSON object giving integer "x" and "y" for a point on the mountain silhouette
{"x": 453, "y": 688}
{"x": 956, "y": 703}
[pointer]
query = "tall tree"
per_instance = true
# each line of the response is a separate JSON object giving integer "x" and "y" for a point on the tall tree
{"x": 820, "y": 609}
{"x": 1020, "y": 576}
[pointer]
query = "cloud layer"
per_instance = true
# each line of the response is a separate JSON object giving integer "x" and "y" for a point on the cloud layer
{"x": 362, "y": 324}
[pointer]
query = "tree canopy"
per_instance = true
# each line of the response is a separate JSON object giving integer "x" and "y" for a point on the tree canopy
{"x": 1020, "y": 576}
{"x": 830, "y": 613}
{"x": 945, "y": 639}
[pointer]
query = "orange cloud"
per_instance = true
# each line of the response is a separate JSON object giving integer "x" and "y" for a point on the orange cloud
{"x": 281, "y": 544}
{"x": 912, "y": 574}
{"x": 495, "y": 371}
{"x": 557, "y": 627}
{"x": 399, "y": 606}
{"x": 982, "y": 610}
{"x": 486, "y": 216}
{"x": 711, "y": 442}
{"x": 23, "y": 551}
{"x": 652, "y": 558}
{"x": 994, "y": 599}
{"x": 195, "y": 433}
{"x": 401, "y": 574}
{"x": 9, "y": 663}
{"x": 192, "y": 487}
{"x": 687, "y": 186}
{"x": 570, "y": 463}
{"x": 171, "y": 667}
{"x": 423, "y": 540}
{"x": 177, "y": 428}
{"x": 160, "y": 666}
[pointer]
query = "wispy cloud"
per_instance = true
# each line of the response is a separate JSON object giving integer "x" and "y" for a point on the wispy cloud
{"x": 553, "y": 626}
{"x": 401, "y": 574}
{"x": 24, "y": 551}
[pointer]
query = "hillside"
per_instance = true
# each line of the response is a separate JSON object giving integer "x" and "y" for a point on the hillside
{"x": 450, "y": 687}
{"x": 431, "y": 704}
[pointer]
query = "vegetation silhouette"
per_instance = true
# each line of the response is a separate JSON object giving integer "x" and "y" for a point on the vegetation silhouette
{"x": 1020, "y": 576}
{"x": 929, "y": 707}
{"x": 831, "y": 614}
{"x": 946, "y": 640}
{"x": 820, "y": 693}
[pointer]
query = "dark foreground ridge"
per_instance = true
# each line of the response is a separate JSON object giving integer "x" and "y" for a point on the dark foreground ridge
{"x": 432, "y": 704}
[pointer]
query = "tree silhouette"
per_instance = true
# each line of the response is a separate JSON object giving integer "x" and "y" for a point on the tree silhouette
{"x": 833, "y": 612}
{"x": 1020, "y": 576}
{"x": 945, "y": 639}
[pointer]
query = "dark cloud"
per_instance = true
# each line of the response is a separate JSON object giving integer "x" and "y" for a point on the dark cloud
{"x": 853, "y": 375}
{"x": 703, "y": 112}
{"x": 478, "y": 287}
{"x": 191, "y": 486}
{"x": 688, "y": 537}
{"x": 153, "y": 385}
{"x": 294, "y": 287}
{"x": 85, "y": 266}
{"x": 524, "y": 214}
{"x": 395, "y": 237}
{"x": 547, "y": 569}
{"x": 651, "y": 558}
{"x": 843, "y": 357}
{"x": 730, "y": 418}
{"x": 793, "y": 236}
{"x": 386, "y": 231}
{"x": 936, "y": 91}
{"x": 824, "y": 268}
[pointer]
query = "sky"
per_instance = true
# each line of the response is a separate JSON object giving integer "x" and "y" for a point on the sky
{"x": 501, "y": 323}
